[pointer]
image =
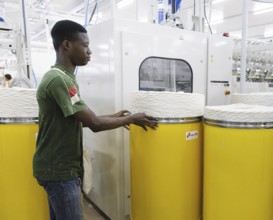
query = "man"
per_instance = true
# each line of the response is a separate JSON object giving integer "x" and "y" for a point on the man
{"x": 57, "y": 163}
{"x": 7, "y": 81}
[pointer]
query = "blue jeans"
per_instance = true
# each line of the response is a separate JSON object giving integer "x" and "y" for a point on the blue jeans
{"x": 64, "y": 199}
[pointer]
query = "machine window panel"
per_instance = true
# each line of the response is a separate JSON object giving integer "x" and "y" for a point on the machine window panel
{"x": 165, "y": 74}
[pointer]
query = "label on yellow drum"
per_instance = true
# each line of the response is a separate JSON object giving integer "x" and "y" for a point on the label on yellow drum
{"x": 191, "y": 135}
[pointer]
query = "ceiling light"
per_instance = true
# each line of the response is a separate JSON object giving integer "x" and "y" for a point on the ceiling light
{"x": 236, "y": 35}
{"x": 268, "y": 34}
{"x": 264, "y": 1}
{"x": 217, "y": 1}
{"x": 103, "y": 46}
{"x": 11, "y": 5}
{"x": 216, "y": 22}
{"x": 5, "y": 26}
{"x": 124, "y": 3}
{"x": 262, "y": 11}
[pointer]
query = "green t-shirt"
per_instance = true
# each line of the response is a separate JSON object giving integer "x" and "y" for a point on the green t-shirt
{"x": 58, "y": 153}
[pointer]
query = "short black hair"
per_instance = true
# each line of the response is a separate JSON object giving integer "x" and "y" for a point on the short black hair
{"x": 8, "y": 76}
{"x": 65, "y": 30}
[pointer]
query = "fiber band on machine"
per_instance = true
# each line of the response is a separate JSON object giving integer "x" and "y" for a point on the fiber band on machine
{"x": 239, "y": 113}
{"x": 168, "y": 104}
{"x": 18, "y": 103}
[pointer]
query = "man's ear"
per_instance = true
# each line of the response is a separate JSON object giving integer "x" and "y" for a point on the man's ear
{"x": 67, "y": 45}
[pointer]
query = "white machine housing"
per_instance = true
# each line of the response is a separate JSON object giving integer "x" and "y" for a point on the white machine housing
{"x": 118, "y": 49}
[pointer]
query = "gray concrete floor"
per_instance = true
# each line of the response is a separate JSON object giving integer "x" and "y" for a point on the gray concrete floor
{"x": 89, "y": 213}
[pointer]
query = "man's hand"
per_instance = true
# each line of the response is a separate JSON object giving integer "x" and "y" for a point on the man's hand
{"x": 142, "y": 120}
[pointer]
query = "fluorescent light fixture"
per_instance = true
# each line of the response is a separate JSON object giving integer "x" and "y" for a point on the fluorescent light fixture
{"x": 53, "y": 17}
{"x": 263, "y": 11}
{"x": 99, "y": 15}
{"x": 268, "y": 34}
{"x": 144, "y": 20}
{"x": 217, "y": 1}
{"x": 264, "y": 1}
{"x": 216, "y": 22}
{"x": 124, "y": 3}
{"x": 104, "y": 54}
{"x": 103, "y": 46}
{"x": 11, "y": 5}
{"x": 235, "y": 34}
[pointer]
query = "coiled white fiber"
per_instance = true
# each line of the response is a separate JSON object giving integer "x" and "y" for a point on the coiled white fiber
{"x": 240, "y": 113}
{"x": 258, "y": 98}
{"x": 168, "y": 104}
{"x": 18, "y": 103}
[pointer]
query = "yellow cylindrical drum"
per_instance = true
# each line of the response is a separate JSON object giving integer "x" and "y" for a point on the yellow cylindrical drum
{"x": 166, "y": 163}
{"x": 21, "y": 196}
{"x": 166, "y": 169}
{"x": 238, "y": 161}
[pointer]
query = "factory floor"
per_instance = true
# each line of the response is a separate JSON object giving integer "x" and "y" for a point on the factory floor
{"x": 90, "y": 213}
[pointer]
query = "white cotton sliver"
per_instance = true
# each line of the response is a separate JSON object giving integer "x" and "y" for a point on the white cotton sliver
{"x": 240, "y": 113}
{"x": 18, "y": 103}
{"x": 168, "y": 104}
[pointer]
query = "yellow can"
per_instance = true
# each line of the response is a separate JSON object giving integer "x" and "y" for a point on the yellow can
{"x": 166, "y": 174}
{"x": 21, "y": 196}
{"x": 238, "y": 176}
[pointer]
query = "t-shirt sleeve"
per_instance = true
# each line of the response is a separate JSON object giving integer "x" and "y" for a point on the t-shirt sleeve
{"x": 66, "y": 95}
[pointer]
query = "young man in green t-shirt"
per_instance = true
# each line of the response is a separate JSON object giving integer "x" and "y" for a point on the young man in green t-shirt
{"x": 57, "y": 163}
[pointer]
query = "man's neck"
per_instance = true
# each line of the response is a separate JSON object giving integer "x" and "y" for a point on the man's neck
{"x": 66, "y": 63}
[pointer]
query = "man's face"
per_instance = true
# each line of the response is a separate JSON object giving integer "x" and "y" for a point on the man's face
{"x": 80, "y": 53}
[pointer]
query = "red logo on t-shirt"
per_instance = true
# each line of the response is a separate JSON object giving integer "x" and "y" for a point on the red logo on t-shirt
{"x": 72, "y": 91}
